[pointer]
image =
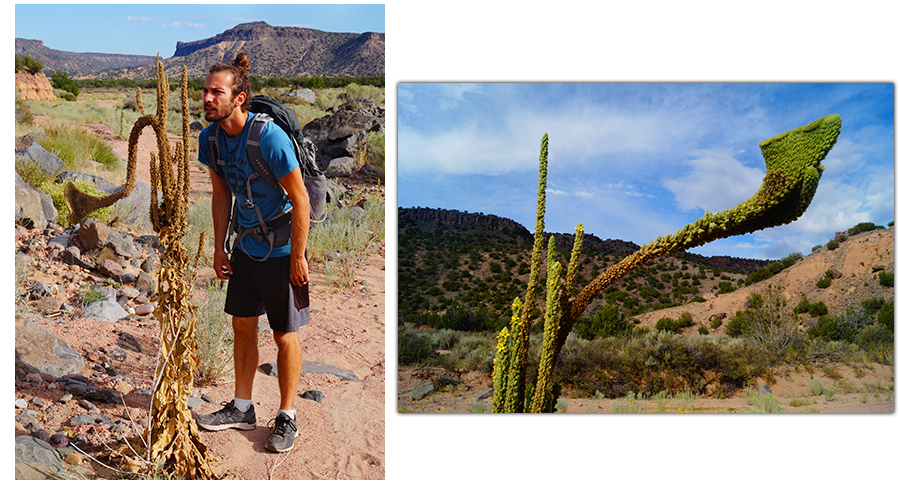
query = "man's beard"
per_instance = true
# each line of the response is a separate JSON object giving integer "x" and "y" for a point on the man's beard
{"x": 221, "y": 113}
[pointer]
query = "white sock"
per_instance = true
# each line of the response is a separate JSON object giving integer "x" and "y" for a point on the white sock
{"x": 243, "y": 405}
{"x": 291, "y": 412}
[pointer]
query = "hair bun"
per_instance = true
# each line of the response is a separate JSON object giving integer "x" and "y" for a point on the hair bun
{"x": 242, "y": 62}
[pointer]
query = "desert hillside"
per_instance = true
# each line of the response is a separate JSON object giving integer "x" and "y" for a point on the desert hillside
{"x": 855, "y": 265}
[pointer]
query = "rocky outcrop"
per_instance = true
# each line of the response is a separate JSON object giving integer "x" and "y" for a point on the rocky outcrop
{"x": 564, "y": 241}
{"x": 341, "y": 134}
{"x": 34, "y": 209}
{"x": 460, "y": 219}
{"x": 35, "y": 87}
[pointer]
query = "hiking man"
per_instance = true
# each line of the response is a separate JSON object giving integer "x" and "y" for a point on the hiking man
{"x": 263, "y": 278}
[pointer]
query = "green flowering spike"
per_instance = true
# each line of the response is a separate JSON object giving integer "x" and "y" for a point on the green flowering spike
{"x": 501, "y": 365}
{"x": 541, "y": 400}
{"x": 520, "y": 338}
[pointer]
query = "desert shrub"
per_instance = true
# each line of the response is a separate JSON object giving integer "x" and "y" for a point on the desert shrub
{"x": 770, "y": 328}
{"x": 726, "y": 287}
{"x": 657, "y": 361}
{"x": 413, "y": 347}
{"x": 875, "y": 335}
{"x": 214, "y": 335}
{"x": 715, "y": 322}
{"x": 475, "y": 353}
{"x": 55, "y": 191}
{"x": 754, "y": 301}
{"x": 872, "y": 306}
{"x": 863, "y": 227}
{"x": 818, "y": 309}
{"x": 75, "y": 145}
{"x": 608, "y": 320}
{"x": 764, "y": 403}
{"x": 24, "y": 114}
{"x": 886, "y": 278}
{"x": 32, "y": 173}
{"x": 802, "y": 306}
{"x": 825, "y": 280}
{"x": 444, "y": 339}
{"x": 737, "y": 324}
{"x": 340, "y": 241}
{"x": 28, "y": 63}
{"x": 355, "y": 91}
{"x": 838, "y": 328}
{"x": 375, "y": 143}
{"x": 886, "y": 314}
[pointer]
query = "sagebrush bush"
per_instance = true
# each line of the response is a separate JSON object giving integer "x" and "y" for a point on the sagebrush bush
{"x": 215, "y": 337}
{"x": 658, "y": 361}
{"x": 886, "y": 278}
{"x": 413, "y": 347}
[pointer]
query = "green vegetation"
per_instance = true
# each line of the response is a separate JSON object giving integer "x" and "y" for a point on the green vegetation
{"x": 28, "y": 63}
{"x": 772, "y": 269}
{"x": 214, "y": 335}
{"x": 340, "y": 243}
{"x": 61, "y": 81}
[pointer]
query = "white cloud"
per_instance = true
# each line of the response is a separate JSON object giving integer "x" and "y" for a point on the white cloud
{"x": 716, "y": 181}
{"x": 450, "y": 95}
{"x": 179, "y": 25}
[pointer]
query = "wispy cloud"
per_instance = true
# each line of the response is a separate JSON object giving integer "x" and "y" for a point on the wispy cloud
{"x": 716, "y": 180}
{"x": 178, "y": 25}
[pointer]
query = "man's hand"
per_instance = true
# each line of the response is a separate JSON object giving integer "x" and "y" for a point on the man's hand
{"x": 299, "y": 270}
{"x": 222, "y": 265}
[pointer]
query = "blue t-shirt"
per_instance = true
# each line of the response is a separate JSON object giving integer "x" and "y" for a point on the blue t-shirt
{"x": 279, "y": 154}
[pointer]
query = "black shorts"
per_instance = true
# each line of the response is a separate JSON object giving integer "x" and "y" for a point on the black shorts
{"x": 258, "y": 288}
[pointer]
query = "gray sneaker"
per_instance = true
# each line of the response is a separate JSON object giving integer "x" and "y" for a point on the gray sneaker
{"x": 228, "y": 417}
{"x": 282, "y": 438}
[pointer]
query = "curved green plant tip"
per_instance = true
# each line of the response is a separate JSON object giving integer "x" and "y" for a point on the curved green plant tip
{"x": 793, "y": 169}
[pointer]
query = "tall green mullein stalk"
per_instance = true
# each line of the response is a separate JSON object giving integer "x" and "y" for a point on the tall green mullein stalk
{"x": 542, "y": 401}
{"x": 515, "y": 389}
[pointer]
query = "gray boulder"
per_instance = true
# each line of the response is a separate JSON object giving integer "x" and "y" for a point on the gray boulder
{"x": 107, "y": 310}
{"x": 304, "y": 94}
{"x": 30, "y": 209}
{"x": 340, "y": 167}
{"x": 37, "y": 459}
{"x": 68, "y": 175}
{"x": 38, "y": 351}
{"x": 48, "y": 161}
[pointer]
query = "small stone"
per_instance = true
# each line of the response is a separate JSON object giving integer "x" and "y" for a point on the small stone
{"x": 65, "y": 398}
{"x": 314, "y": 395}
{"x": 59, "y": 439}
{"x": 73, "y": 459}
{"x": 21, "y": 403}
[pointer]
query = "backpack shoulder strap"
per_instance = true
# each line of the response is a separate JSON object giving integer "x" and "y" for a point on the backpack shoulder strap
{"x": 254, "y": 152}
{"x": 213, "y": 153}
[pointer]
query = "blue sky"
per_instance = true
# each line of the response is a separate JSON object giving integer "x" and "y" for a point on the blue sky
{"x": 640, "y": 160}
{"x": 151, "y": 29}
